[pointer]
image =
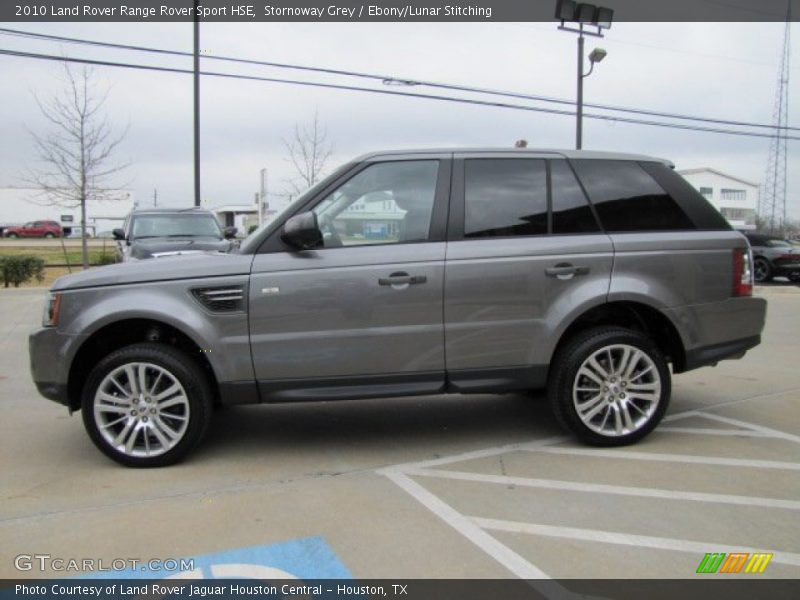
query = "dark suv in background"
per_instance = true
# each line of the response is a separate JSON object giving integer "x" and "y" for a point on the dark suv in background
{"x": 412, "y": 273}
{"x": 774, "y": 257}
{"x": 158, "y": 232}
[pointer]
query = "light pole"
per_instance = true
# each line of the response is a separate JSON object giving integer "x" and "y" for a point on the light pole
{"x": 196, "y": 81}
{"x": 586, "y": 19}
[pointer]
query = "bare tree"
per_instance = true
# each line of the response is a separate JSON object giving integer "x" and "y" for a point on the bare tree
{"x": 76, "y": 152}
{"x": 309, "y": 151}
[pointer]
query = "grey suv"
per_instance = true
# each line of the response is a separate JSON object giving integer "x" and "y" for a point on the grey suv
{"x": 413, "y": 273}
{"x": 159, "y": 232}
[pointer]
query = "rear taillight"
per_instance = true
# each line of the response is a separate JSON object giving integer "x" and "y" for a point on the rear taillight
{"x": 742, "y": 272}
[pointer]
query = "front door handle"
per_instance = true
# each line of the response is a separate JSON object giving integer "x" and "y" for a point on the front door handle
{"x": 566, "y": 271}
{"x": 402, "y": 279}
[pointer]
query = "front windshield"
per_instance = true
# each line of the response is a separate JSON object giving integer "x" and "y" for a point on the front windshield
{"x": 175, "y": 225}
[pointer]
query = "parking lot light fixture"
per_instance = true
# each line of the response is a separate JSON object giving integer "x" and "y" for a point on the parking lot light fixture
{"x": 583, "y": 19}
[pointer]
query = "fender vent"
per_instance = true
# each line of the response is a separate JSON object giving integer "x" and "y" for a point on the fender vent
{"x": 228, "y": 298}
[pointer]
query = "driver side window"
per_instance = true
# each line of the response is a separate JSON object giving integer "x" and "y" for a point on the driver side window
{"x": 386, "y": 203}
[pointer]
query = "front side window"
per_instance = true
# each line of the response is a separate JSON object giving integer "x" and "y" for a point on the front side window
{"x": 505, "y": 197}
{"x": 386, "y": 203}
{"x": 627, "y": 198}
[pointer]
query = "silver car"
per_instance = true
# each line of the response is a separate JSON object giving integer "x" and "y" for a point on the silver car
{"x": 592, "y": 275}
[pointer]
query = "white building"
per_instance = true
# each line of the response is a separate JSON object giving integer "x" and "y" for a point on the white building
{"x": 734, "y": 197}
{"x": 19, "y": 205}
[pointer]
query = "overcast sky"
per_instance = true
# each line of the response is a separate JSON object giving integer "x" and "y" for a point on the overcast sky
{"x": 721, "y": 70}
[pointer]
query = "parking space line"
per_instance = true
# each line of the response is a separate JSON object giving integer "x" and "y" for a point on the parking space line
{"x": 640, "y": 541}
{"x": 466, "y": 527}
{"x": 596, "y": 488}
{"x": 766, "y": 431}
{"x": 476, "y": 454}
{"x": 676, "y": 458}
{"x": 722, "y": 432}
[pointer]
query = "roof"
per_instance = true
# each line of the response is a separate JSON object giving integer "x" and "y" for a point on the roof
{"x": 560, "y": 153}
{"x": 716, "y": 172}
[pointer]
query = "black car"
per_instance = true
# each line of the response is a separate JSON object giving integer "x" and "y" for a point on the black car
{"x": 156, "y": 232}
{"x": 774, "y": 257}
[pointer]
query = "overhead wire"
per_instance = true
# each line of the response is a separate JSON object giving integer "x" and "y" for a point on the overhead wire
{"x": 406, "y": 81}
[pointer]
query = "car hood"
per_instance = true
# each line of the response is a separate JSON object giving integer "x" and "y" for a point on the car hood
{"x": 160, "y": 247}
{"x": 168, "y": 268}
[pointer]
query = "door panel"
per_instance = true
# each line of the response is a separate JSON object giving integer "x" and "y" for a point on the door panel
{"x": 324, "y": 313}
{"x": 503, "y": 309}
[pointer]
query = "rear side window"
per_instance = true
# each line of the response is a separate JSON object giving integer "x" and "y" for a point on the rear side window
{"x": 627, "y": 198}
{"x": 571, "y": 211}
{"x": 505, "y": 197}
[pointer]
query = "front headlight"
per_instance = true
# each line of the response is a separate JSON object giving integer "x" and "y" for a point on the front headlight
{"x": 51, "y": 308}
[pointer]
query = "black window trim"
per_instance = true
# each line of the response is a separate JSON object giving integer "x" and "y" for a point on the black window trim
{"x": 455, "y": 227}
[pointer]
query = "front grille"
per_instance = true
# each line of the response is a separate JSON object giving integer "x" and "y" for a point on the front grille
{"x": 228, "y": 298}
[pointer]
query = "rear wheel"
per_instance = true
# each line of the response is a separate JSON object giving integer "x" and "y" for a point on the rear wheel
{"x": 12, "y": 235}
{"x": 762, "y": 271}
{"x": 49, "y": 235}
{"x": 610, "y": 386}
{"x": 146, "y": 405}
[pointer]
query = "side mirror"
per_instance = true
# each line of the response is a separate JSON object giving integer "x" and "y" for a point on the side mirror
{"x": 119, "y": 234}
{"x": 302, "y": 231}
{"x": 229, "y": 232}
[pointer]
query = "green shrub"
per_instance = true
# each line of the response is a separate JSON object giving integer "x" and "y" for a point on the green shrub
{"x": 106, "y": 259}
{"x": 21, "y": 269}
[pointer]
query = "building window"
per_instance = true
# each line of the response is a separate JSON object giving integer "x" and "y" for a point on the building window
{"x": 707, "y": 192}
{"x": 748, "y": 215}
{"x": 734, "y": 195}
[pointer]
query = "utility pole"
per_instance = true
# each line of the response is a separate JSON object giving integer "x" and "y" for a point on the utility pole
{"x": 196, "y": 107}
{"x": 155, "y": 198}
{"x": 262, "y": 196}
{"x": 772, "y": 203}
{"x": 579, "y": 114}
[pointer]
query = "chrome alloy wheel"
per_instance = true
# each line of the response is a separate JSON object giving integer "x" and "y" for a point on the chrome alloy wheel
{"x": 616, "y": 390}
{"x": 141, "y": 409}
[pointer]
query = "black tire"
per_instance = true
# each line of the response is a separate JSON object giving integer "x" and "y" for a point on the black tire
{"x": 12, "y": 235}
{"x": 49, "y": 235}
{"x": 194, "y": 406}
{"x": 564, "y": 377}
{"x": 762, "y": 272}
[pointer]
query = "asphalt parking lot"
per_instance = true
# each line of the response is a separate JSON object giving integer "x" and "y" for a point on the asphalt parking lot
{"x": 432, "y": 487}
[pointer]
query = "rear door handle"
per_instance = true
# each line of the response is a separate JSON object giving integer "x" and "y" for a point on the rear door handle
{"x": 566, "y": 271}
{"x": 402, "y": 279}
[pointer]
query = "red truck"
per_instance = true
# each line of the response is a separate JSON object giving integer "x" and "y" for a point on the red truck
{"x": 47, "y": 229}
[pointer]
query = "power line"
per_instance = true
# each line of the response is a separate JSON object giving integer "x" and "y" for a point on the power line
{"x": 496, "y": 104}
{"x": 384, "y": 78}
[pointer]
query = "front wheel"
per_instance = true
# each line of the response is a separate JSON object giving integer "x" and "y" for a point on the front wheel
{"x": 610, "y": 386}
{"x": 146, "y": 405}
{"x": 49, "y": 235}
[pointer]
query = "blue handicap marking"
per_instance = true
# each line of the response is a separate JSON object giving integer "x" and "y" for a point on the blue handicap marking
{"x": 305, "y": 558}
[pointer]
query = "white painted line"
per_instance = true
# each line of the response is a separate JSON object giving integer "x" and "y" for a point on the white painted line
{"x": 597, "y": 488}
{"x": 676, "y": 458}
{"x": 476, "y": 454}
{"x": 498, "y": 551}
{"x": 721, "y": 432}
{"x": 625, "y": 539}
{"x": 766, "y": 431}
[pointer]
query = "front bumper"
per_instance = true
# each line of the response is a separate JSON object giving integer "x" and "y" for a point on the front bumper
{"x": 51, "y": 353}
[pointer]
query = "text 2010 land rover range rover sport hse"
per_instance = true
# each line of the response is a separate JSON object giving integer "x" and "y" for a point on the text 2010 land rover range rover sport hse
{"x": 408, "y": 273}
